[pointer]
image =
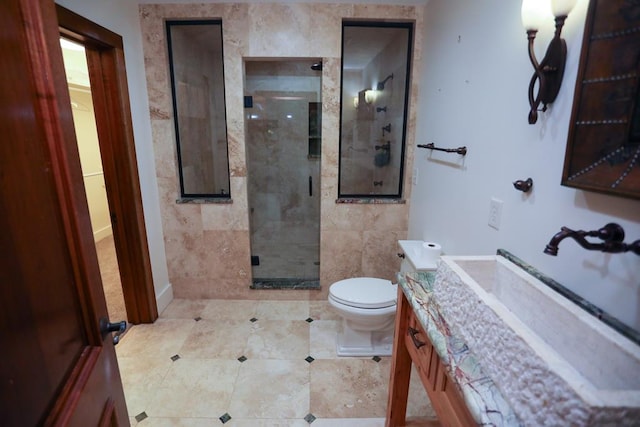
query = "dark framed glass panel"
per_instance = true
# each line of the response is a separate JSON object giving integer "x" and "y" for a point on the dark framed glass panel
{"x": 197, "y": 87}
{"x": 376, "y": 62}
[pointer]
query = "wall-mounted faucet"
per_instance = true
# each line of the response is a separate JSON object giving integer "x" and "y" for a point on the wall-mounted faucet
{"x": 611, "y": 234}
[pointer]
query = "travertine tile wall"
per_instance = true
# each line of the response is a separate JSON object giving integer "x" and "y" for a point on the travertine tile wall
{"x": 208, "y": 244}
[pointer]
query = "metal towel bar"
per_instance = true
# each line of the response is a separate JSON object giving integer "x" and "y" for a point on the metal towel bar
{"x": 460, "y": 150}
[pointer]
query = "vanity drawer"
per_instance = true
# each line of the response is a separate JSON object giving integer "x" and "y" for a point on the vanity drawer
{"x": 422, "y": 353}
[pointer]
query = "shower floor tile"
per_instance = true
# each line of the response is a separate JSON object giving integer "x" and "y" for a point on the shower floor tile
{"x": 183, "y": 372}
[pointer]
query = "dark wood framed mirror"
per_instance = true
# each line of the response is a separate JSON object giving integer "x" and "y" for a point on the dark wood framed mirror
{"x": 603, "y": 149}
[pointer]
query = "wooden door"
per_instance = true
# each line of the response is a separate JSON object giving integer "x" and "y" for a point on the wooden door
{"x": 58, "y": 368}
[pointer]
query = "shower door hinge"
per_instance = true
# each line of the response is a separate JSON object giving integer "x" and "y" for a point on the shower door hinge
{"x": 248, "y": 102}
{"x": 255, "y": 260}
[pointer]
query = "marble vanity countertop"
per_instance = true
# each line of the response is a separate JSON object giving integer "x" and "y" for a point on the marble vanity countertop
{"x": 484, "y": 400}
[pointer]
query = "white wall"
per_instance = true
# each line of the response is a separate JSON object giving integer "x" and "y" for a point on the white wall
{"x": 474, "y": 92}
{"x": 91, "y": 161}
{"x": 121, "y": 17}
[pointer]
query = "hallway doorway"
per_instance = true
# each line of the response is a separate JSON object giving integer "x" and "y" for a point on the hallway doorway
{"x": 77, "y": 72}
{"x": 109, "y": 98}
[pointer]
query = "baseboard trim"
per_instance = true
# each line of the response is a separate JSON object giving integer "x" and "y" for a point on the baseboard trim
{"x": 102, "y": 233}
{"x": 164, "y": 297}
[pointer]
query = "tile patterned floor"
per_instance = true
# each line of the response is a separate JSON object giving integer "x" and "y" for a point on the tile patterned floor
{"x": 253, "y": 363}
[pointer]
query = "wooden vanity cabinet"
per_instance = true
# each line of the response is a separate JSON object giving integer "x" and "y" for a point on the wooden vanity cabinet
{"x": 412, "y": 344}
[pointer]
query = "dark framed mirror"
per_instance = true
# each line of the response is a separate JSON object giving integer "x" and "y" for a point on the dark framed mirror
{"x": 603, "y": 149}
{"x": 197, "y": 88}
{"x": 376, "y": 62}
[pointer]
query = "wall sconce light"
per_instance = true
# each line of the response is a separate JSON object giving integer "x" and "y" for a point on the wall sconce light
{"x": 356, "y": 102}
{"x": 550, "y": 70}
{"x": 370, "y": 96}
{"x": 382, "y": 83}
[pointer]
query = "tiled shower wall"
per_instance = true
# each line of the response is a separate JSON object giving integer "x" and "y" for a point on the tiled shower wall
{"x": 207, "y": 245}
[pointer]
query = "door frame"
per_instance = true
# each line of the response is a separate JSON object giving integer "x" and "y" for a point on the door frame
{"x": 105, "y": 60}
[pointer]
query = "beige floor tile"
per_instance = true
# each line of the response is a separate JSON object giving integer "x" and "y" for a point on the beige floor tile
{"x": 282, "y": 310}
{"x": 184, "y": 309}
{"x": 422, "y": 422}
{"x": 349, "y": 422}
{"x": 161, "y": 339}
{"x": 207, "y": 382}
{"x": 179, "y": 422}
{"x": 322, "y": 338}
{"x": 278, "y": 339}
{"x": 271, "y": 389}
{"x": 140, "y": 379}
{"x": 229, "y": 309}
{"x": 321, "y": 310}
{"x": 217, "y": 339}
{"x": 266, "y": 423}
{"x": 195, "y": 388}
{"x": 418, "y": 403}
{"x": 348, "y": 388}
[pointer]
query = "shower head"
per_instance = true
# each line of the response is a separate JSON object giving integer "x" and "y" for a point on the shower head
{"x": 382, "y": 83}
{"x": 317, "y": 66}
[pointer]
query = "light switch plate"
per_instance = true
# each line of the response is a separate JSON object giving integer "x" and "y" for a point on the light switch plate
{"x": 495, "y": 213}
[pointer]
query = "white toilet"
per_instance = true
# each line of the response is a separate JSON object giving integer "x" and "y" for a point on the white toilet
{"x": 368, "y": 307}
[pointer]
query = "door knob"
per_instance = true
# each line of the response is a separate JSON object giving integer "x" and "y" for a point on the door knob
{"x": 107, "y": 327}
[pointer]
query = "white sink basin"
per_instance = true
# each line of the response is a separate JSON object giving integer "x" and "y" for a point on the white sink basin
{"x": 554, "y": 362}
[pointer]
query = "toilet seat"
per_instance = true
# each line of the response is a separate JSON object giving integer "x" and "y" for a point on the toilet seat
{"x": 364, "y": 292}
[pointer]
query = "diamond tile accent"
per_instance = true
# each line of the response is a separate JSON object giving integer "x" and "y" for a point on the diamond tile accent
{"x": 226, "y": 417}
{"x": 309, "y": 418}
{"x": 175, "y": 357}
{"x": 141, "y": 416}
{"x": 309, "y": 320}
{"x": 376, "y": 358}
{"x": 309, "y": 359}
{"x": 197, "y": 319}
{"x": 242, "y": 359}
{"x": 253, "y": 319}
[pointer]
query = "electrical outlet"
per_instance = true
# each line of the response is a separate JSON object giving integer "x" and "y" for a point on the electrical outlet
{"x": 495, "y": 213}
{"x": 414, "y": 178}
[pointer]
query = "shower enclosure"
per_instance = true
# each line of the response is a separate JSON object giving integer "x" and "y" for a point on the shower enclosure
{"x": 283, "y": 123}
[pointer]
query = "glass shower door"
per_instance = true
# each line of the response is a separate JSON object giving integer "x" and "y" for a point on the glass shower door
{"x": 283, "y": 159}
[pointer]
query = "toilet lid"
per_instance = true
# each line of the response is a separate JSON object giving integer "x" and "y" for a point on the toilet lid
{"x": 364, "y": 292}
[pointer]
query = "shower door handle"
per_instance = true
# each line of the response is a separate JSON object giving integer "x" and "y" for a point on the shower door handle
{"x": 310, "y": 186}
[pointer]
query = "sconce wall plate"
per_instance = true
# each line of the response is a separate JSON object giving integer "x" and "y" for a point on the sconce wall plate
{"x": 553, "y": 66}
